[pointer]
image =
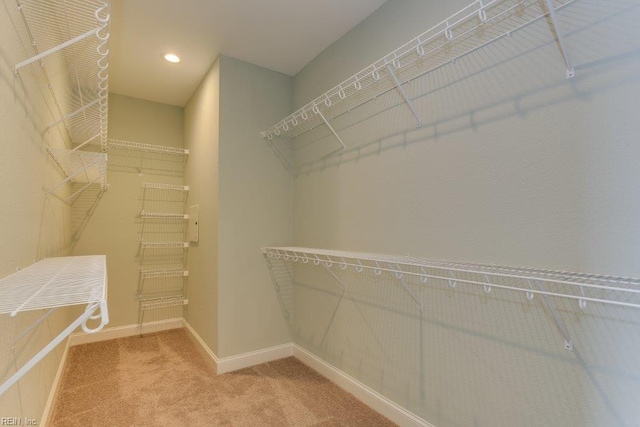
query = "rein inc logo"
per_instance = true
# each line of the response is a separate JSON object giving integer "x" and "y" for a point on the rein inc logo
{"x": 17, "y": 421}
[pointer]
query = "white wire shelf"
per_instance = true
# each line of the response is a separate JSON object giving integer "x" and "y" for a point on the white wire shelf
{"x": 55, "y": 282}
{"x": 471, "y": 28}
{"x": 68, "y": 46}
{"x": 164, "y": 245}
{"x": 50, "y": 284}
{"x": 163, "y": 215}
{"x": 579, "y": 287}
{"x": 158, "y": 186}
{"x": 154, "y": 274}
{"x": 83, "y": 167}
{"x": 152, "y": 303}
{"x": 139, "y": 146}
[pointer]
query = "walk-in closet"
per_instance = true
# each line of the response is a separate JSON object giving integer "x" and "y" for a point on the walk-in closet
{"x": 301, "y": 213}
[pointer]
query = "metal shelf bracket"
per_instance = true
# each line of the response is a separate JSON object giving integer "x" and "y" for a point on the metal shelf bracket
{"x": 326, "y": 122}
{"x": 563, "y": 48}
{"x": 404, "y": 96}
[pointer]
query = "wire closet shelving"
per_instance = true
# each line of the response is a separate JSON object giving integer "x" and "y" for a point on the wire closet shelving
{"x": 163, "y": 287}
{"x": 149, "y": 148}
{"x": 579, "y": 287}
{"x": 473, "y": 27}
{"x": 50, "y": 284}
{"x": 68, "y": 44}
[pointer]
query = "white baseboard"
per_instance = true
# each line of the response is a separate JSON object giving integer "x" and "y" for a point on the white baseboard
{"x": 246, "y": 360}
{"x": 370, "y": 397}
{"x": 55, "y": 386}
{"x": 125, "y": 331}
{"x": 241, "y": 361}
{"x": 204, "y": 349}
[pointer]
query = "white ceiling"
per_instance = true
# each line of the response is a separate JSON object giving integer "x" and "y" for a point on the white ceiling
{"x": 282, "y": 35}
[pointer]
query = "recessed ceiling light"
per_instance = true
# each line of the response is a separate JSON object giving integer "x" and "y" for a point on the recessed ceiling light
{"x": 171, "y": 57}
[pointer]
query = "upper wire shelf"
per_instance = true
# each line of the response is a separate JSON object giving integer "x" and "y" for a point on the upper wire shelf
{"x": 471, "y": 28}
{"x": 69, "y": 43}
{"x": 580, "y": 287}
{"x": 139, "y": 146}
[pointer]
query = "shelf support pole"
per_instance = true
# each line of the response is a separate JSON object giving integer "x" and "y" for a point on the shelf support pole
{"x": 326, "y": 122}
{"x": 404, "y": 96}
{"x": 568, "y": 343}
{"x": 563, "y": 48}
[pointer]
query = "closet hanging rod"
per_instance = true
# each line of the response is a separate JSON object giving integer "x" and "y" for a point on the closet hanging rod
{"x": 580, "y": 287}
{"x": 433, "y": 49}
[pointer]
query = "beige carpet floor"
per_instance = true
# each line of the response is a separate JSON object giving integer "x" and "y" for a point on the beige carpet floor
{"x": 162, "y": 380}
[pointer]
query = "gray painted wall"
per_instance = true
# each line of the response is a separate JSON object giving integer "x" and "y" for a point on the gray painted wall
{"x": 255, "y": 204}
{"x": 514, "y": 166}
{"x": 201, "y": 127}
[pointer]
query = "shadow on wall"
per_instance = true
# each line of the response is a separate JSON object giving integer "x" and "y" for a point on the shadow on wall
{"x": 459, "y": 360}
{"x": 512, "y": 77}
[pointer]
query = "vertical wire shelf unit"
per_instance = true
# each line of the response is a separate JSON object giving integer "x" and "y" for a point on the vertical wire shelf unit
{"x": 581, "y": 288}
{"x": 148, "y": 294}
{"x": 468, "y": 30}
{"x": 68, "y": 44}
{"x": 50, "y": 284}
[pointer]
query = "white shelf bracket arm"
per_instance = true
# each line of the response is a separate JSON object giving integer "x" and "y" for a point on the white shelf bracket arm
{"x": 55, "y": 49}
{"x": 568, "y": 343}
{"x": 328, "y": 268}
{"x": 404, "y": 96}
{"x": 326, "y": 122}
{"x": 42, "y": 353}
{"x": 563, "y": 48}
{"x": 399, "y": 275}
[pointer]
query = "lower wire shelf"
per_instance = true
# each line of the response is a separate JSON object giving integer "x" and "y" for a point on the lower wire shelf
{"x": 152, "y": 303}
{"x": 50, "y": 284}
